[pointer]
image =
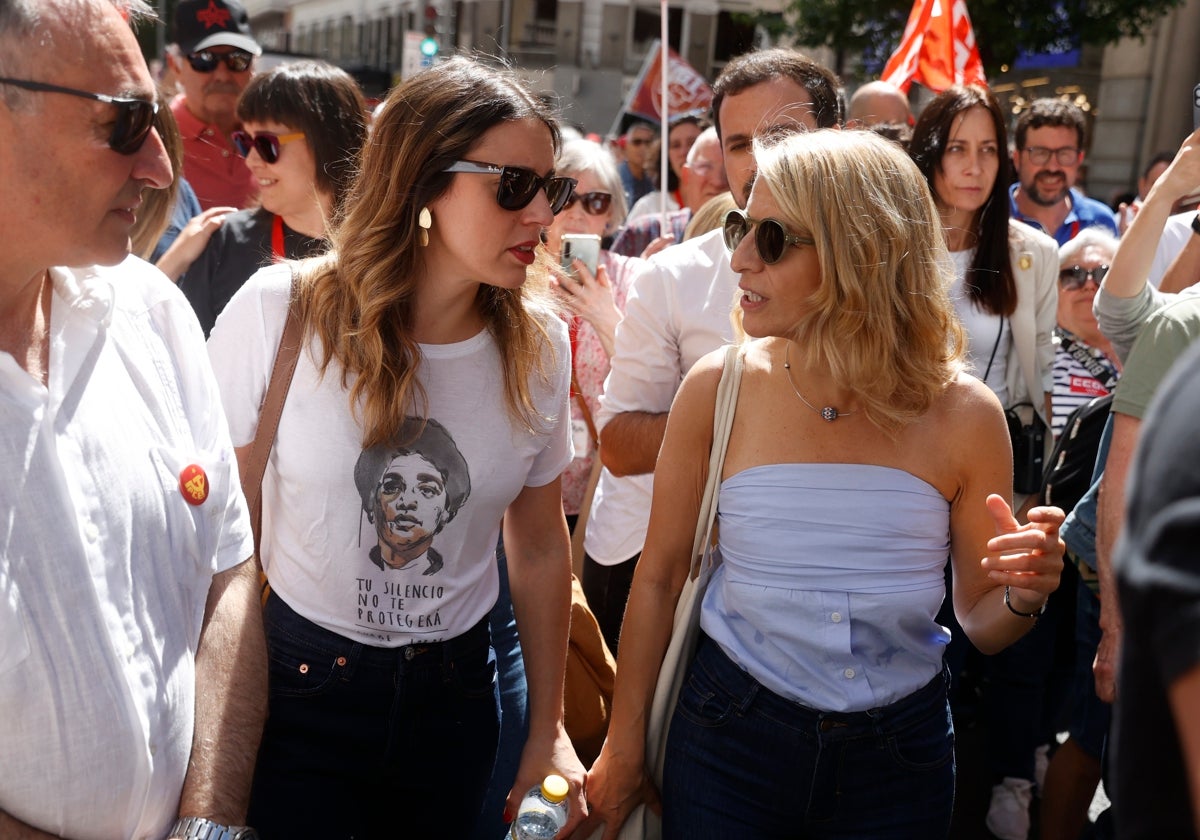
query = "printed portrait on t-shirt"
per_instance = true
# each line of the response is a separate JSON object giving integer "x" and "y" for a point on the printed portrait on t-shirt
{"x": 409, "y": 492}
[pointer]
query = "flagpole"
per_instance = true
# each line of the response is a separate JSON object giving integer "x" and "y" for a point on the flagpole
{"x": 665, "y": 109}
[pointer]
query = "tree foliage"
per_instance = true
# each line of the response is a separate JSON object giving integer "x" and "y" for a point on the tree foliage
{"x": 1002, "y": 27}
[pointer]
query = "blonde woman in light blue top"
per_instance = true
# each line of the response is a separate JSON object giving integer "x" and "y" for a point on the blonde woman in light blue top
{"x": 860, "y": 456}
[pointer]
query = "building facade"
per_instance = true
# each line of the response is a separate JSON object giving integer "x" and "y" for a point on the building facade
{"x": 589, "y": 52}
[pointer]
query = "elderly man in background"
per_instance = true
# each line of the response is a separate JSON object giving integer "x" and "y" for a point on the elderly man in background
{"x": 878, "y": 103}
{"x": 212, "y": 59}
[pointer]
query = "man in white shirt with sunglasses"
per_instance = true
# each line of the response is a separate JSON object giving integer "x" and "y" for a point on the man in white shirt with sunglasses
{"x": 132, "y": 659}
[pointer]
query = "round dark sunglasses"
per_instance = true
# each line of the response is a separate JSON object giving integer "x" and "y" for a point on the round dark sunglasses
{"x": 519, "y": 185}
{"x": 770, "y": 238}
{"x": 1076, "y": 276}
{"x": 135, "y": 117}
{"x": 206, "y": 61}
{"x": 594, "y": 203}
{"x": 266, "y": 143}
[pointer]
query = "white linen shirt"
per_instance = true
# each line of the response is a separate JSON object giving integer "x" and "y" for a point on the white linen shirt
{"x": 104, "y": 568}
{"x": 677, "y": 311}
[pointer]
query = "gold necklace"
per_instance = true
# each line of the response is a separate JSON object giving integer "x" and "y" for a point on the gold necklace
{"x": 828, "y": 413}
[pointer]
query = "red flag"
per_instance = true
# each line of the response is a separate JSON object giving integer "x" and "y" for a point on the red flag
{"x": 687, "y": 91}
{"x": 937, "y": 50}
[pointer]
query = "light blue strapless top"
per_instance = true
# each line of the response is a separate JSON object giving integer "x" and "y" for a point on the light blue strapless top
{"x": 830, "y": 579}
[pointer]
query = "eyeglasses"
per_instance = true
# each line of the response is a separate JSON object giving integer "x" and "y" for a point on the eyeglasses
{"x": 1040, "y": 155}
{"x": 519, "y": 185}
{"x": 770, "y": 239}
{"x": 639, "y": 141}
{"x": 206, "y": 61}
{"x": 265, "y": 143}
{"x": 1076, "y": 276}
{"x": 135, "y": 117}
{"x": 594, "y": 203}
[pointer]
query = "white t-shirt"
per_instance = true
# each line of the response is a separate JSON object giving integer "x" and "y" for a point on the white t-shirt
{"x": 105, "y": 567}
{"x": 333, "y": 513}
{"x": 988, "y": 335}
{"x": 1176, "y": 233}
{"x": 677, "y": 311}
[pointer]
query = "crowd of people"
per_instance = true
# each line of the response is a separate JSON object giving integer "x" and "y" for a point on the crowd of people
{"x": 957, "y": 488}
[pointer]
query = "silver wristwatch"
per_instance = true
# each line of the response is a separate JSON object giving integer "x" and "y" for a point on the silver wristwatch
{"x": 198, "y": 828}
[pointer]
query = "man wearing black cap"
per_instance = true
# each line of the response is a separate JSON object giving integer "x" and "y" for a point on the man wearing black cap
{"x": 212, "y": 58}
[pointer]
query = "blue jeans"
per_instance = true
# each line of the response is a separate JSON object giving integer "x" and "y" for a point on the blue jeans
{"x": 364, "y": 742}
{"x": 744, "y": 763}
{"x": 1090, "y": 716}
{"x": 514, "y": 712}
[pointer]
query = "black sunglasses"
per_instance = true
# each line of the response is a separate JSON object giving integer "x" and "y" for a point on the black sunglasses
{"x": 1076, "y": 276}
{"x": 594, "y": 203}
{"x": 770, "y": 239}
{"x": 519, "y": 185}
{"x": 206, "y": 61}
{"x": 135, "y": 117}
{"x": 266, "y": 143}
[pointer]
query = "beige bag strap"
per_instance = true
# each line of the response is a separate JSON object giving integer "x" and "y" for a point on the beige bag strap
{"x": 724, "y": 410}
{"x": 252, "y": 459}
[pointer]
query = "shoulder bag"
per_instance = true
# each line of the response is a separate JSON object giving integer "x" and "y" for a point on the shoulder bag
{"x": 643, "y": 823}
{"x": 252, "y": 458}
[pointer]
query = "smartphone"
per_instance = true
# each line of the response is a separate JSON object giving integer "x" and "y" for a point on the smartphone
{"x": 1195, "y": 107}
{"x": 580, "y": 246}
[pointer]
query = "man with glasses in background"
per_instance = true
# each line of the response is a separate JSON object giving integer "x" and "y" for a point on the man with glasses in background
{"x": 132, "y": 660}
{"x": 1049, "y": 152}
{"x": 212, "y": 59}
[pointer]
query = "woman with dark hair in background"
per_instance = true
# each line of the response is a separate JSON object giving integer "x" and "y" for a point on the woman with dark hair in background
{"x": 430, "y": 307}
{"x": 303, "y": 125}
{"x": 1006, "y": 294}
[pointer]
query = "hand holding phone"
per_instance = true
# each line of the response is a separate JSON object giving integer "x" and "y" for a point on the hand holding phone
{"x": 580, "y": 246}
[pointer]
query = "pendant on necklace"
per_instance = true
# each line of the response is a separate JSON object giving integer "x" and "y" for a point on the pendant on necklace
{"x": 829, "y": 414}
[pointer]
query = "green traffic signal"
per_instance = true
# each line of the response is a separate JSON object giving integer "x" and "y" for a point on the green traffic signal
{"x": 429, "y": 47}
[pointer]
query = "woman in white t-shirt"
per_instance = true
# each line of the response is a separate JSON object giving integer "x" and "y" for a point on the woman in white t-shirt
{"x": 1006, "y": 294}
{"x": 429, "y": 404}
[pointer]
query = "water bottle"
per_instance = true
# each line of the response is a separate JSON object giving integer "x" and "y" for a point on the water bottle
{"x": 543, "y": 811}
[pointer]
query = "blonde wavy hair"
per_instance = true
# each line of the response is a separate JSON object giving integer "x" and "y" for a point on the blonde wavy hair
{"x": 882, "y": 320}
{"x": 358, "y": 298}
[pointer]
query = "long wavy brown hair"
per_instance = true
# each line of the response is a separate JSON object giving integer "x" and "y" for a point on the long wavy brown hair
{"x": 359, "y": 298}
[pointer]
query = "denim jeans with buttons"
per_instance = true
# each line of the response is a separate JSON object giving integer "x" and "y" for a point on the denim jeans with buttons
{"x": 364, "y": 742}
{"x": 744, "y": 763}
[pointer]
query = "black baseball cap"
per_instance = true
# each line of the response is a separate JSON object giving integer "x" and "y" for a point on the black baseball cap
{"x": 200, "y": 24}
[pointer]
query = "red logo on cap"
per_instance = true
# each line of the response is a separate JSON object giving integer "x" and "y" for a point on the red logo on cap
{"x": 193, "y": 483}
{"x": 214, "y": 15}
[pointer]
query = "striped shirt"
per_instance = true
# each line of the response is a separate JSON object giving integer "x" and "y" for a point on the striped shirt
{"x": 1074, "y": 382}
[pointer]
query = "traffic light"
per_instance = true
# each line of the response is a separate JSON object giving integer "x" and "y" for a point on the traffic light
{"x": 429, "y": 44}
{"x": 429, "y": 49}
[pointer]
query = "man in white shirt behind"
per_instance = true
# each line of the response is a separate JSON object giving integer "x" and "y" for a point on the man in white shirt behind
{"x": 132, "y": 661}
{"x": 677, "y": 311}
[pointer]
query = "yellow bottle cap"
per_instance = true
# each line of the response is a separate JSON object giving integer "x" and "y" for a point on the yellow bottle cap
{"x": 555, "y": 788}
